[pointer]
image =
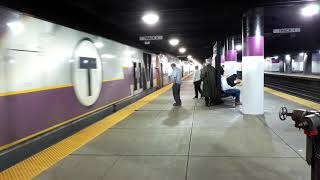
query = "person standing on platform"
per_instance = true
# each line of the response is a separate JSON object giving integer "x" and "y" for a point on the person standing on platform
{"x": 197, "y": 82}
{"x": 176, "y": 76}
{"x": 208, "y": 75}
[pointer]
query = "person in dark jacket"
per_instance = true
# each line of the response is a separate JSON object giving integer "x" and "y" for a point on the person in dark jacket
{"x": 208, "y": 75}
{"x": 233, "y": 80}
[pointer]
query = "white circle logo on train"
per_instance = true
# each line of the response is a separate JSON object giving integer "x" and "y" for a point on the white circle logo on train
{"x": 87, "y": 72}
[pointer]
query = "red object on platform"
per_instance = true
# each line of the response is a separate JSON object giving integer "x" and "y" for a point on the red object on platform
{"x": 311, "y": 133}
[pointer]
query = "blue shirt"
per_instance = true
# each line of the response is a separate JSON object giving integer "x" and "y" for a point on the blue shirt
{"x": 176, "y": 75}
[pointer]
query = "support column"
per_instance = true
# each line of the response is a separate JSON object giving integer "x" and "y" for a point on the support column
{"x": 288, "y": 63}
{"x": 218, "y": 71}
{"x": 230, "y": 65}
{"x": 281, "y": 64}
{"x": 252, "y": 62}
{"x": 307, "y": 63}
{"x": 222, "y": 53}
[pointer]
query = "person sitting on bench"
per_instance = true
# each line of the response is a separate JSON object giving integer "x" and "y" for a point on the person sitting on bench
{"x": 228, "y": 90}
{"x": 233, "y": 80}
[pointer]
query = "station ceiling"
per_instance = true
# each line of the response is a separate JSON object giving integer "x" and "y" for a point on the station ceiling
{"x": 198, "y": 24}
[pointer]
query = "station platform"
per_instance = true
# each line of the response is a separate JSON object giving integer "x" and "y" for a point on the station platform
{"x": 155, "y": 141}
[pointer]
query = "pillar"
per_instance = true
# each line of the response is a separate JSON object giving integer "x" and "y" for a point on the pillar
{"x": 252, "y": 62}
{"x": 307, "y": 63}
{"x": 218, "y": 67}
{"x": 288, "y": 63}
{"x": 222, "y": 53}
{"x": 230, "y": 65}
{"x": 281, "y": 64}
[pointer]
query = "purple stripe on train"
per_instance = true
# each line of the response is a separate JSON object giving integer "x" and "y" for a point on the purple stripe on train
{"x": 26, "y": 114}
{"x": 231, "y": 55}
{"x": 253, "y": 46}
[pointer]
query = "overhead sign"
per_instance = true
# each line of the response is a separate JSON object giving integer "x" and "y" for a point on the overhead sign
{"x": 150, "y": 38}
{"x": 286, "y": 30}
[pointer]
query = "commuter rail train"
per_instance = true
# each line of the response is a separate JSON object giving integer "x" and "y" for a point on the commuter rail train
{"x": 51, "y": 75}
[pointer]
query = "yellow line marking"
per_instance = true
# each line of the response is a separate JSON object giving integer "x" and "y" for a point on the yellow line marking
{"x": 43, "y": 160}
{"x": 292, "y": 98}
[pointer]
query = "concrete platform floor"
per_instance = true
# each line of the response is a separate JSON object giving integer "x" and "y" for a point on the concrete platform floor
{"x": 194, "y": 142}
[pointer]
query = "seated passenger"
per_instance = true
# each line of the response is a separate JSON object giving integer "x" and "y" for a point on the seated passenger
{"x": 233, "y": 80}
{"x": 232, "y": 91}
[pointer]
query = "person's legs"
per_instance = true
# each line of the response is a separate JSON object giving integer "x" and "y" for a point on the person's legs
{"x": 211, "y": 101}
{"x": 174, "y": 92}
{"x": 235, "y": 93}
{"x": 195, "y": 89}
{"x": 207, "y": 100}
{"x": 178, "y": 94}
{"x": 198, "y": 88}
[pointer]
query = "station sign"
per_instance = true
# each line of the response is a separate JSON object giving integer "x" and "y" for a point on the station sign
{"x": 286, "y": 30}
{"x": 150, "y": 38}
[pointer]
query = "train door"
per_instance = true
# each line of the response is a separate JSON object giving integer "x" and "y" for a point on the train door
{"x": 135, "y": 81}
{"x": 140, "y": 76}
{"x": 150, "y": 70}
{"x": 146, "y": 71}
{"x": 161, "y": 73}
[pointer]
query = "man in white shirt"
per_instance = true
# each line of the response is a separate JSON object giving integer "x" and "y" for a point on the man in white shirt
{"x": 197, "y": 82}
{"x": 228, "y": 90}
{"x": 176, "y": 75}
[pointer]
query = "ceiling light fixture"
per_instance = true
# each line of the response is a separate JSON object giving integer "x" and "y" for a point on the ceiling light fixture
{"x": 310, "y": 10}
{"x": 174, "y": 41}
{"x": 182, "y": 50}
{"x": 150, "y": 18}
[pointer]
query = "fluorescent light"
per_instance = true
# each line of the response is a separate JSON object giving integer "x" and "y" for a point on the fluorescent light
{"x": 238, "y": 47}
{"x": 150, "y": 18}
{"x": 174, "y": 42}
{"x": 107, "y": 56}
{"x": 182, "y": 50}
{"x": 99, "y": 44}
{"x": 310, "y": 10}
{"x": 16, "y": 27}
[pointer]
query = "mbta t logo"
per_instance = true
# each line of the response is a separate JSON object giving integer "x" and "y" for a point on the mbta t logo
{"x": 87, "y": 72}
{"x": 88, "y": 64}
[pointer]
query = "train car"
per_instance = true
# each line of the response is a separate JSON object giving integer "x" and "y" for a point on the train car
{"x": 51, "y": 75}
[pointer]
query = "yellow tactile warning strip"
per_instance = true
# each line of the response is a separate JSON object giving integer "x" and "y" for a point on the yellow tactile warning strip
{"x": 295, "y": 99}
{"x": 43, "y": 160}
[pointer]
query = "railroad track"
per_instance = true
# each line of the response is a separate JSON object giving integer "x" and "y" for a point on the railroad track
{"x": 304, "y": 87}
